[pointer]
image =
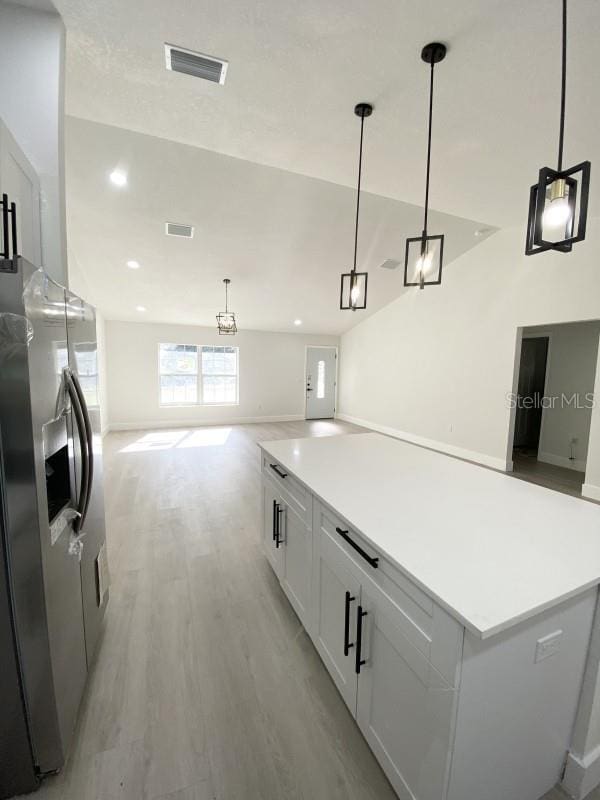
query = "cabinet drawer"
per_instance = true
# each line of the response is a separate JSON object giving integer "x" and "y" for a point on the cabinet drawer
{"x": 425, "y": 624}
{"x": 299, "y": 498}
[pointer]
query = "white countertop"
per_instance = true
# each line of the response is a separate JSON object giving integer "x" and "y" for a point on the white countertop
{"x": 492, "y": 550}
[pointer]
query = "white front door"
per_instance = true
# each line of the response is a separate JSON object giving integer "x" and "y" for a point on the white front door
{"x": 320, "y": 382}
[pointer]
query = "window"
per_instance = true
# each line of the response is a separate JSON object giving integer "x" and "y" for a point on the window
{"x": 320, "y": 380}
{"x": 198, "y": 374}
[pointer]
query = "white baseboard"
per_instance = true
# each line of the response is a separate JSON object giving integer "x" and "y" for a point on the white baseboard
{"x": 151, "y": 425}
{"x": 591, "y": 491}
{"x": 561, "y": 461}
{"x": 432, "y": 444}
{"x": 582, "y": 774}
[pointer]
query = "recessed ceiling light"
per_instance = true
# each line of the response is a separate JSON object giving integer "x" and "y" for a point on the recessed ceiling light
{"x": 297, "y": 322}
{"x": 133, "y": 264}
{"x": 118, "y": 177}
{"x": 140, "y": 308}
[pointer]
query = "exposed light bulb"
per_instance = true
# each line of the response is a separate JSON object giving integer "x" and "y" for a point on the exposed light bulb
{"x": 355, "y": 293}
{"x": 424, "y": 263}
{"x": 558, "y": 213}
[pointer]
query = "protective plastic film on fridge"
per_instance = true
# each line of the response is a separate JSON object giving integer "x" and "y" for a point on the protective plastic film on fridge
{"x": 53, "y": 576}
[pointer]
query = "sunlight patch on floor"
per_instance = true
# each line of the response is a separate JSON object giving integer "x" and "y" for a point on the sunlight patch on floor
{"x": 166, "y": 440}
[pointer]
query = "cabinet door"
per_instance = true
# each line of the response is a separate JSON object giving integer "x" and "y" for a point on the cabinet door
{"x": 405, "y": 708}
{"x": 297, "y": 563}
{"x": 272, "y": 512}
{"x": 20, "y": 182}
{"x": 336, "y": 594}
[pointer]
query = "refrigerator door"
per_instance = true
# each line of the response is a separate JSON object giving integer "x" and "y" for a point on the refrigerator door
{"x": 83, "y": 360}
{"x": 17, "y": 773}
{"x": 44, "y": 575}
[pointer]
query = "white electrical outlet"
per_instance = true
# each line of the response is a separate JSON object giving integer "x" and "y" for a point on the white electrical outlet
{"x": 548, "y": 646}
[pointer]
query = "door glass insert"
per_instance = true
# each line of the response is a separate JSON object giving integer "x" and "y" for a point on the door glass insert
{"x": 320, "y": 380}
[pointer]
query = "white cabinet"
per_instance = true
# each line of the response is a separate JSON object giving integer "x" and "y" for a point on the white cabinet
{"x": 20, "y": 182}
{"x": 296, "y": 573}
{"x": 272, "y": 510}
{"x": 449, "y": 716}
{"x": 287, "y": 542}
{"x": 405, "y": 709}
{"x": 336, "y": 599}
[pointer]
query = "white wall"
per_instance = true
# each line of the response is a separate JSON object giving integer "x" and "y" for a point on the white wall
{"x": 271, "y": 375}
{"x": 571, "y": 370}
{"x": 435, "y": 366}
{"x": 102, "y": 376}
{"x": 32, "y": 44}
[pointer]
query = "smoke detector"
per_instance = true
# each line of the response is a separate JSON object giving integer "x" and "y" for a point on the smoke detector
{"x": 178, "y": 59}
{"x": 177, "y": 229}
{"x": 390, "y": 264}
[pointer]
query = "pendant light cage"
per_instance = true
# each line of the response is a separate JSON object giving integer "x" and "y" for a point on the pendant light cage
{"x": 353, "y": 285}
{"x": 558, "y": 202}
{"x": 424, "y": 255}
{"x": 226, "y": 324}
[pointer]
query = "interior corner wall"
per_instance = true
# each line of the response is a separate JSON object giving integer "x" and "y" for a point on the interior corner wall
{"x": 437, "y": 366}
{"x": 570, "y": 376}
{"x": 591, "y": 487}
{"x": 102, "y": 376}
{"x": 271, "y": 375}
{"x": 32, "y": 77}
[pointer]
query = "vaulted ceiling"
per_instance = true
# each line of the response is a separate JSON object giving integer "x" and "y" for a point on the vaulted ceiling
{"x": 295, "y": 73}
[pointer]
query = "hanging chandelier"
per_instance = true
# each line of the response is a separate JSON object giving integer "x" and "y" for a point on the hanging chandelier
{"x": 558, "y": 202}
{"x": 425, "y": 254}
{"x": 226, "y": 319}
{"x": 353, "y": 289}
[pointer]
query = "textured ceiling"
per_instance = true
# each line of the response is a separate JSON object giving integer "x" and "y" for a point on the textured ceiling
{"x": 282, "y": 238}
{"x": 297, "y": 69}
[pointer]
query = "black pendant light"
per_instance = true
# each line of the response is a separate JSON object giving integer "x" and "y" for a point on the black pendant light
{"x": 425, "y": 254}
{"x": 226, "y": 319}
{"x": 558, "y": 202}
{"x": 353, "y": 289}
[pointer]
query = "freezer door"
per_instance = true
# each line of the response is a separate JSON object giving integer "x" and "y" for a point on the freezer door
{"x": 44, "y": 576}
{"x": 83, "y": 360}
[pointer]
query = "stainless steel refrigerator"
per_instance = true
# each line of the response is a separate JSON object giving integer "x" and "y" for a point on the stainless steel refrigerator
{"x": 53, "y": 573}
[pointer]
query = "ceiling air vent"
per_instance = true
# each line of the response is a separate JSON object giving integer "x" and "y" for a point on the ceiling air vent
{"x": 200, "y": 66}
{"x": 177, "y": 229}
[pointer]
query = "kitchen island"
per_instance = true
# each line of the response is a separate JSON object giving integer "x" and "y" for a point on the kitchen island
{"x": 451, "y": 604}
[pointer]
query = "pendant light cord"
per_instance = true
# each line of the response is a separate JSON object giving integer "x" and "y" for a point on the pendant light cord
{"x": 563, "y": 88}
{"x": 428, "y": 151}
{"x": 362, "y": 125}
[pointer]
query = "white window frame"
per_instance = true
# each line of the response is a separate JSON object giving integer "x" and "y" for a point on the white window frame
{"x": 199, "y": 376}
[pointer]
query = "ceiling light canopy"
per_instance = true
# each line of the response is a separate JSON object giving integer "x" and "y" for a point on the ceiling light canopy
{"x": 133, "y": 264}
{"x": 297, "y": 322}
{"x": 353, "y": 289}
{"x": 140, "y": 308}
{"x": 558, "y": 202}
{"x": 425, "y": 253}
{"x": 118, "y": 177}
{"x": 226, "y": 319}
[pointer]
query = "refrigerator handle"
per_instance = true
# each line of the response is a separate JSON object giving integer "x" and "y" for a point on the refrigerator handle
{"x": 79, "y": 419}
{"x": 89, "y": 435}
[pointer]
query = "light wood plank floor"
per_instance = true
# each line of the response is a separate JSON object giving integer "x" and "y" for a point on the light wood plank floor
{"x": 206, "y": 685}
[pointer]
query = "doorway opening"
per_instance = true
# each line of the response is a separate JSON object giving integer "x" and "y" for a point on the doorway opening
{"x": 553, "y": 404}
{"x": 321, "y": 382}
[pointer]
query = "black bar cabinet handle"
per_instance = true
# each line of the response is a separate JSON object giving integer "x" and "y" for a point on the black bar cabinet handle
{"x": 13, "y": 211}
{"x": 373, "y": 561}
{"x": 347, "y": 644}
{"x": 278, "y": 539}
{"x": 6, "y": 248}
{"x": 359, "y": 661}
{"x": 276, "y": 469}
{"x": 274, "y": 520}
